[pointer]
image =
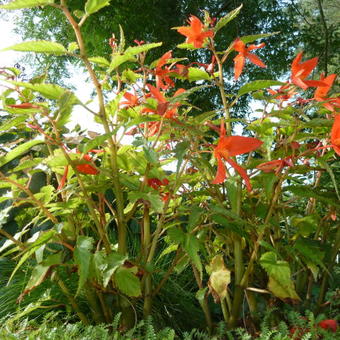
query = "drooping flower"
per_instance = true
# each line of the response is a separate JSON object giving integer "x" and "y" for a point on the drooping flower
{"x": 276, "y": 165}
{"x": 164, "y": 108}
{"x": 131, "y": 100}
{"x": 321, "y": 92}
{"x": 283, "y": 93}
{"x": 231, "y": 146}
{"x": 243, "y": 54}
{"x": 163, "y": 81}
{"x": 195, "y": 32}
{"x": 300, "y": 71}
{"x": 87, "y": 168}
{"x": 335, "y": 134}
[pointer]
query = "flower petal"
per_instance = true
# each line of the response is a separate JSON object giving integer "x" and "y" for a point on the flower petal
{"x": 241, "y": 171}
{"x": 221, "y": 173}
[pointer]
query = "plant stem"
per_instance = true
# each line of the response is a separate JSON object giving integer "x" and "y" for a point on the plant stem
{"x": 71, "y": 299}
{"x": 121, "y": 225}
{"x": 204, "y": 302}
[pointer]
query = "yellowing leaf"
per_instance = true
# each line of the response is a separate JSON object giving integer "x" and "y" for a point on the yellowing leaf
{"x": 219, "y": 278}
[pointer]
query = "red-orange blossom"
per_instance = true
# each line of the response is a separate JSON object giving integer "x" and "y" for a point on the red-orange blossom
{"x": 231, "y": 146}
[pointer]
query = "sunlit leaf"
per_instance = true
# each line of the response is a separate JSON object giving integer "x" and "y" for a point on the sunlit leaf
{"x": 39, "y": 46}
{"x": 17, "y": 4}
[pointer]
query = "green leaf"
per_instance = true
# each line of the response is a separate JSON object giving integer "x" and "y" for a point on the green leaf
{"x": 180, "y": 151}
{"x": 93, "y": 6}
{"x": 219, "y": 278}
{"x": 127, "y": 282}
{"x": 7, "y": 125}
{"x": 154, "y": 199}
{"x": 191, "y": 246}
{"x": 134, "y": 50}
{"x": 196, "y": 74}
{"x": 200, "y": 294}
{"x": 96, "y": 142}
{"x": 280, "y": 282}
{"x": 107, "y": 264}
{"x": 326, "y": 166}
{"x": 257, "y": 85}
{"x": 39, "y": 46}
{"x": 19, "y": 150}
{"x": 227, "y": 18}
{"x": 310, "y": 250}
{"x": 50, "y": 91}
{"x": 250, "y": 38}
{"x": 176, "y": 235}
{"x": 307, "y": 192}
{"x": 150, "y": 155}
{"x": 17, "y": 4}
{"x": 43, "y": 238}
{"x": 40, "y": 272}
{"x": 306, "y": 225}
{"x": 82, "y": 257}
{"x": 194, "y": 218}
{"x": 101, "y": 61}
{"x": 119, "y": 59}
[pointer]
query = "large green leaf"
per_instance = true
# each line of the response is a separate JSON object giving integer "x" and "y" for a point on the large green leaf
{"x": 191, "y": 246}
{"x": 17, "y": 4}
{"x": 120, "y": 59}
{"x": 43, "y": 238}
{"x": 96, "y": 142}
{"x": 40, "y": 46}
{"x": 127, "y": 282}
{"x": 50, "y": 91}
{"x": 219, "y": 278}
{"x": 310, "y": 250}
{"x": 93, "y": 6}
{"x": 82, "y": 257}
{"x": 101, "y": 61}
{"x": 19, "y": 150}
{"x": 141, "y": 48}
{"x": 257, "y": 85}
{"x": 40, "y": 272}
{"x": 227, "y": 18}
{"x": 7, "y": 125}
{"x": 280, "y": 282}
{"x": 196, "y": 74}
{"x": 106, "y": 265}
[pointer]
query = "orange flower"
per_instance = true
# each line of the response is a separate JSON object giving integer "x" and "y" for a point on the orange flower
{"x": 300, "y": 71}
{"x": 163, "y": 81}
{"x": 87, "y": 168}
{"x": 243, "y": 54}
{"x": 228, "y": 147}
{"x": 194, "y": 33}
{"x": 283, "y": 93}
{"x": 164, "y": 108}
{"x": 131, "y": 100}
{"x": 335, "y": 134}
{"x": 322, "y": 90}
{"x": 276, "y": 165}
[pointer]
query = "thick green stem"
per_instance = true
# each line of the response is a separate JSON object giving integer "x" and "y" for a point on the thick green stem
{"x": 146, "y": 245}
